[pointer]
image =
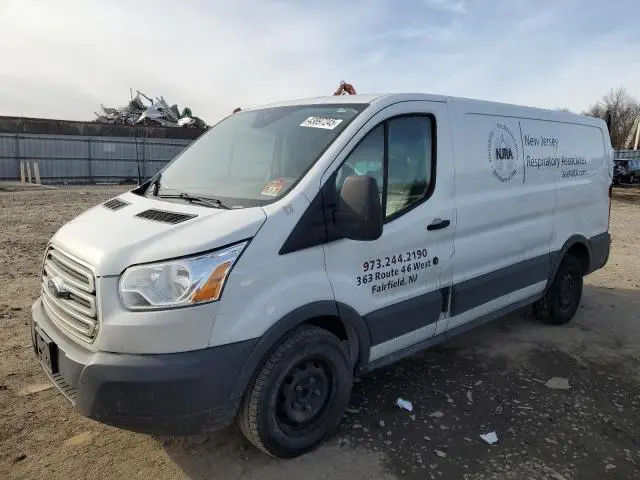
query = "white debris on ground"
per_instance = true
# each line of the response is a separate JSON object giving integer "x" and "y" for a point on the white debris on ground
{"x": 558, "y": 383}
{"x": 155, "y": 112}
{"x": 404, "y": 404}
{"x": 490, "y": 437}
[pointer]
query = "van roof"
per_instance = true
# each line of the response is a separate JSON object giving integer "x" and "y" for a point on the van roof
{"x": 355, "y": 99}
{"x": 391, "y": 98}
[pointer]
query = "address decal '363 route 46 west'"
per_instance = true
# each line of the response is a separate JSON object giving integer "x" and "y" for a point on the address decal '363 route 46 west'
{"x": 386, "y": 273}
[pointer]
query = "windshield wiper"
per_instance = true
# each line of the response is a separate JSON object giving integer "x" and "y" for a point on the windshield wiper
{"x": 209, "y": 202}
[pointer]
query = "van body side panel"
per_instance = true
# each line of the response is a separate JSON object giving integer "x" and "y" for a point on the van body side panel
{"x": 265, "y": 286}
{"x": 481, "y": 290}
{"x": 582, "y": 184}
{"x": 505, "y": 210}
{"x": 478, "y": 316}
{"x": 409, "y": 316}
{"x": 390, "y": 282}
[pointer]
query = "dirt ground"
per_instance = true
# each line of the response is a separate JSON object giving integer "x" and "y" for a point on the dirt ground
{"x": 492, "y": 379}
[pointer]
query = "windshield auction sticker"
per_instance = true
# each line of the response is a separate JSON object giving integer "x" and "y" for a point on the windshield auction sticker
{"x": 273, "y": 188}
{"x": 321, "y": 122}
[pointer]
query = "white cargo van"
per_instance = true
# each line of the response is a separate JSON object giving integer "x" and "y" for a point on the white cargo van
{"x": 295, "y": 246}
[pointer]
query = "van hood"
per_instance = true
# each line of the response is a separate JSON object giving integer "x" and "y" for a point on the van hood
{"x": 111, "y": 240}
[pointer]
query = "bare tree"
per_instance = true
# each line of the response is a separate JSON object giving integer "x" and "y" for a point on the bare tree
{"x": 621, "y": 110}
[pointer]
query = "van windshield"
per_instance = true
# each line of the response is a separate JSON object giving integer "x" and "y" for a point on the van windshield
{"x": 252, "y": 158}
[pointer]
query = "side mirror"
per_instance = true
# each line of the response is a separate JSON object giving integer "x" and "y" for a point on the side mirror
{"x": 359, "y": 213}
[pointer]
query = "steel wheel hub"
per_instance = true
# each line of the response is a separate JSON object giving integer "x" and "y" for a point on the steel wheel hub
{"x": 303, "y": 394}
{"x": 567, "y": 289}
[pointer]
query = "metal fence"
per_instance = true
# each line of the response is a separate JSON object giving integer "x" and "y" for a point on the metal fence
{"x": 626, "y": 155}
{"x": 63, "y": 159}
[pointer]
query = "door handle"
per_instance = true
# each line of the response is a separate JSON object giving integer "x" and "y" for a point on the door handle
{"x": 438, "y": 224}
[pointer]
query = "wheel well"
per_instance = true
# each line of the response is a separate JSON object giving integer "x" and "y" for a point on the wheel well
{"x": 337, "y": 327}
{"x": 338, "y": 319}
{"x": 581, "y": 252}
{"x": 331, "y": 324}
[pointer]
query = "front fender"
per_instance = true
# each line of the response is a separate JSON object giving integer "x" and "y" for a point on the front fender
{"x": 355, "y": 326}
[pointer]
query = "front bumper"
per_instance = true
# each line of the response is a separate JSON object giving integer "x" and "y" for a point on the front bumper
{"x": 163, "y": 394}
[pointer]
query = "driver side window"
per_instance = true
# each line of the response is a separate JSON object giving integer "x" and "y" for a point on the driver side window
{"x": 403, "y": 165}
{"x": 366, "y": 159}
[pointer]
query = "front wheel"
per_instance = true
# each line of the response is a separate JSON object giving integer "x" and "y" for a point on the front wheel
{"x": 560, "y": 303}
{"x": 299, "y": 395}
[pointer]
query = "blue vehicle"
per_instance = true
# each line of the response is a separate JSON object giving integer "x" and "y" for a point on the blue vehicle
{"x": 626, "y": 170}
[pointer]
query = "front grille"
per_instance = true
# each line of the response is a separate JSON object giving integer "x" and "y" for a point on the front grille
{"x": 69, "y": 295}
{"x": 164, "y": 216}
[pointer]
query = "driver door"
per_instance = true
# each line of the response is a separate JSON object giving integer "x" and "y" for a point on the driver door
{"x": 400, "y": 282}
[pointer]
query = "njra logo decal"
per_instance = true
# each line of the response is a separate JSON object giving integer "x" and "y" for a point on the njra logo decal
{"x": 503, "y": 153}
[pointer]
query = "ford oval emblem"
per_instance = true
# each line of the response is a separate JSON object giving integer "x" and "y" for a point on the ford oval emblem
{"x": 57, "y": 288}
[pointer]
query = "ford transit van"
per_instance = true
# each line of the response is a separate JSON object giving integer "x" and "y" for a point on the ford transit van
{"x": 295, "y": 246}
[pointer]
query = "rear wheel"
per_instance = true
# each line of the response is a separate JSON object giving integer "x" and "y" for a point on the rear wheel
{"x": 559, "y": 304}
{"x": 300, "y": 394}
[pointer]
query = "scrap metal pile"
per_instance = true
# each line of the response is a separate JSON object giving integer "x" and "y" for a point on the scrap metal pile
{"x": 154, "y": 112}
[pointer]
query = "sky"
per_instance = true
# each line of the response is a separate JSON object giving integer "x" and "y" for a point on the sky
{"x": 64, "y": 58}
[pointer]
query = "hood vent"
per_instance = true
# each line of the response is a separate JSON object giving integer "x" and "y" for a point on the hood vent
{"x": 115, "y": 204}
{"x": 164, "y": 216}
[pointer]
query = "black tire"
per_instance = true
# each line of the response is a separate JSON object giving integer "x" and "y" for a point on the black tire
{"x": 283, "y": 413}
{"x": 560, "y": 303}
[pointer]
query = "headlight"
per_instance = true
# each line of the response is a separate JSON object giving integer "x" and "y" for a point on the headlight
{"x": 176, "y": 283}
